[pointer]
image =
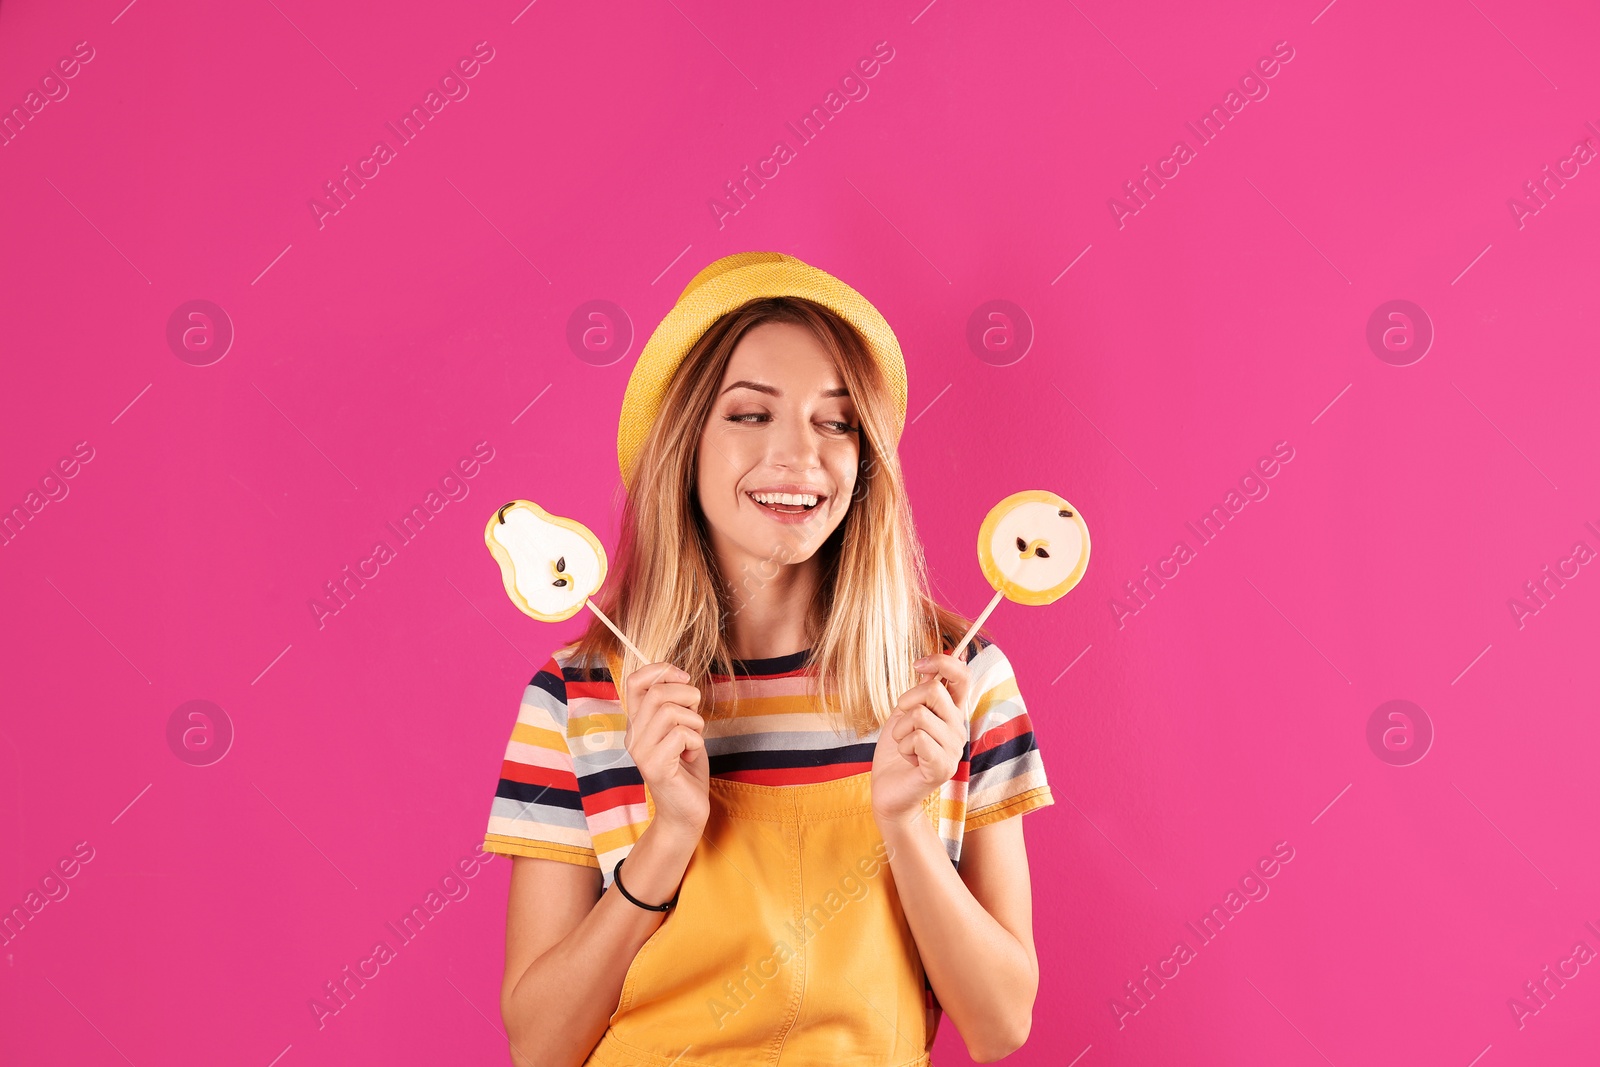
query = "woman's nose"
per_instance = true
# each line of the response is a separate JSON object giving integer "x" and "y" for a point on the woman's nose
{"x": 795, "y": 446}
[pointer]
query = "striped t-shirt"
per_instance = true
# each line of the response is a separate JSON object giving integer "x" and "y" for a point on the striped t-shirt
{"x": 569, "y": 790}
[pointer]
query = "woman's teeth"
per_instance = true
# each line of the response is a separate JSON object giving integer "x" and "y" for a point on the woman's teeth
{"x": 791, "y": 503}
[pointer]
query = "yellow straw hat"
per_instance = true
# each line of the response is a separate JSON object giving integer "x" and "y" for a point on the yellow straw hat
{"x": 720, "y": 288}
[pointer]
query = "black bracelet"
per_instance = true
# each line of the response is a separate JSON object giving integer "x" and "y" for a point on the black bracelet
{"x": 616, "y": 880}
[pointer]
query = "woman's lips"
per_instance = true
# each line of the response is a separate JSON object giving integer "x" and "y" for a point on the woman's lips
{"x": 788, "y": 513}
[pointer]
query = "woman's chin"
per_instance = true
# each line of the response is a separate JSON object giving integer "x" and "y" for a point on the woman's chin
{"x": 782, "y": 543}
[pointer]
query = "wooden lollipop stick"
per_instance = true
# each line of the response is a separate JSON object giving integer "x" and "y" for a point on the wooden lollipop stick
{"x": 977, "y": 623}
{"x": 620, "y": 635}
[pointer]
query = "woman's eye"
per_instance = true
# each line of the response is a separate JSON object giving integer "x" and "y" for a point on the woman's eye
{"x": 753, "y": 417}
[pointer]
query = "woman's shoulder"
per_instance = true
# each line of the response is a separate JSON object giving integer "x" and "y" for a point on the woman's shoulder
{"x": 571, "y": 666}
{"x": 569, "y": 684}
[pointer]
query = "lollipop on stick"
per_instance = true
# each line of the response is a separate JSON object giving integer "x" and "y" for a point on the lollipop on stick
{"x": 1033, "y": 546}
{"x": 550, "y": 565}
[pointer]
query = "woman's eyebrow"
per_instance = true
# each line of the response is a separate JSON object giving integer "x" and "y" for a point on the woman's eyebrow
{"x": 763, "y": 387}
{"x": 760, "y": 387}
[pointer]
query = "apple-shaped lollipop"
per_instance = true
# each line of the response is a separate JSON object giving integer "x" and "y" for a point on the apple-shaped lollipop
{"x": 1033, "y": 547}
{"x": 550, "y": 565}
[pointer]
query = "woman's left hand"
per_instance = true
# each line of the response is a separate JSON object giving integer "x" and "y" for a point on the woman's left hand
{"x": 921, "y": 744}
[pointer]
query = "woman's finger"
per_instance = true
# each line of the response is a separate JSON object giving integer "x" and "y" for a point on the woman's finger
{"x": 688, "y": 741}
{"x": 942, "y": 703}
{"x": 672, "y": 693}
{"x": 657, "y": 696}
{"x": 935, "y": 694}
{"x": 906, "y": 743}
{"x": 955, "y": 673}
{"x": 666, "y": 719}
{"x": 940, "y": 728}
{"x": 667, "y": 758}
{"x": 931, "y": 756}
{"x": 641, "y": 680}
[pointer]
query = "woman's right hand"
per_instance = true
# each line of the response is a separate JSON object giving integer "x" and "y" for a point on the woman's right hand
{"x": 665, "y": 738}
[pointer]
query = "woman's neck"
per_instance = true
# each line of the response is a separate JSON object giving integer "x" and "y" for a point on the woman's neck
{"x": 769, "y": 606}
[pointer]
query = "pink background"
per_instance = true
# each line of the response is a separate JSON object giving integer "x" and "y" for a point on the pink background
{"x": 1229, "y": 314}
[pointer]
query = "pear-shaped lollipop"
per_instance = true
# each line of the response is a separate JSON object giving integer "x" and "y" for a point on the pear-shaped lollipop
{"x": 550, "y": 565}
{"x": 1033, "y": 547}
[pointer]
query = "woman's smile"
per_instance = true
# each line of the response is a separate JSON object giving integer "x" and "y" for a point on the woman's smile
{"x": 788, "y": 503}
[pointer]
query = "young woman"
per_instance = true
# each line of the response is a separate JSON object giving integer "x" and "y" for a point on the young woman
{"x": 813, "y": 798}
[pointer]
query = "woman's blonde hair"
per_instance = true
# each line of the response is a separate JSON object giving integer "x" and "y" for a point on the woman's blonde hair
{"x": 872, "y": 617}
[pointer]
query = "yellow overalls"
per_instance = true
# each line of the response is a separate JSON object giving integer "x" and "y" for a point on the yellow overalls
{"x": 787, "y": 946}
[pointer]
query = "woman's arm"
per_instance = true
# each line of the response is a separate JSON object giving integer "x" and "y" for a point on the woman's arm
{"x": 568, "y": 946}
{"x": 974, "y": 929}
{"x": 567, "y": 952}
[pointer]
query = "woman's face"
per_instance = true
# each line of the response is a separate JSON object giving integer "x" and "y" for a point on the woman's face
{"x": 781, "y": 426}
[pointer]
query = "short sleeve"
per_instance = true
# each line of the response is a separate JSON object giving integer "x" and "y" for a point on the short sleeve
{"x": 1006, "y": 770}
{"x": 537, "y": 809}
